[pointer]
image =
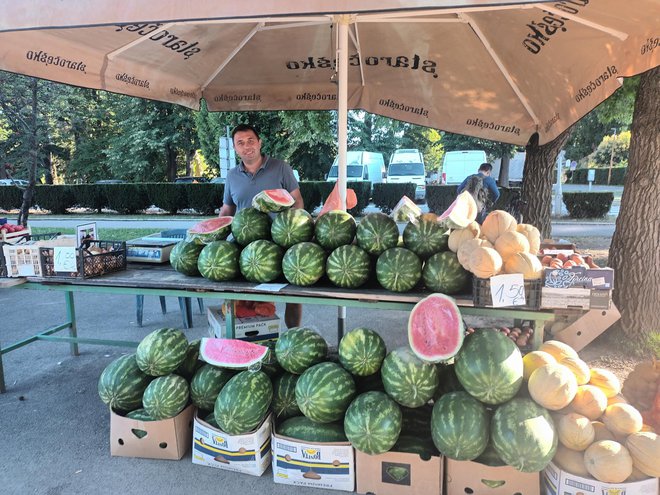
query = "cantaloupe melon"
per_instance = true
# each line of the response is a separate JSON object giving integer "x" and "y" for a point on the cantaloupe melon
{"x": 575, "y": 431}
{"x": 533, "y": 236}
{"x": 601, "y": 432}
{"x": 558, "y": 349}
{"x": 606, "y": 381}
{"x": 459, "y": 236}
{"x": 535, "y": 359}
{"x": 644, "y": 448}
{"x": 589, "y": 401}
{"x": 608, "y": 461}
{"x": 525, "y": 263}
{"x": 496, "y": 223}
{"x": 571, "y": 461}
{"x": 579, "y": 368}
{"x": 466, "y": 248}
{"x": 552, "y": 386}
{"x": 622, "y": 419}
{"x": 510, "y": 243}
{"x": 485, "y": 262}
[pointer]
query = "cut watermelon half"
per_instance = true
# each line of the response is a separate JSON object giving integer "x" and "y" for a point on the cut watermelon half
{"x": 435, "y": 328}
{"x": 208, "y": 231}
{"x": 461, "y": 212}
{"x": 232, "y": 353}
{"x": 273, "y": 200}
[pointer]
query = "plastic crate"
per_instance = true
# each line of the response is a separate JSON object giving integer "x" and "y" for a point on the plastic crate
{"x": 21, "y": 260}
{"x": 90, "y": 264}
{"x": 23, "y": 257}
{"x": 15, "y": 237}
{"x": 481, "y": 296}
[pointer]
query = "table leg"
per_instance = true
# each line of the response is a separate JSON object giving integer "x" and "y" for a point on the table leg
{"x": 341, "y": 322}
{"x": 163, "y": 304}
{"x": 539, "y": 329}
{"x": 230, "y": 318}
{"x": 139, "y": 304}
{"x": 71, "y": 316}
{"x": 3, "y": 389}
{"x": 186, "y": 311}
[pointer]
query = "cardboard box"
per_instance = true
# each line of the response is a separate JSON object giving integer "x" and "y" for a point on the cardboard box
{"x": 555, "y": 481}
{"x": 249, "y": 453}
{"x": 165, "y": 439}
{"x": 398, "y": 473}
{"x": 579, "y": 277}
{"x": 575, "y": 298}
{"x": 315, "y": 464}
{"x": 253, "y": 329}
{"x": 471, "y": 477}
{"x": 587, "y": 327}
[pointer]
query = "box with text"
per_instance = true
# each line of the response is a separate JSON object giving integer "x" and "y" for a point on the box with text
{"x": 555, "y": 481}
{"x": 472, "y": 477}
{"x": 398, "y": 473}
{"x": 252, "y": 329}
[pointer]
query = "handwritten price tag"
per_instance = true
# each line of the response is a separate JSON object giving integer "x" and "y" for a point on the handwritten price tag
{"x": 65, "y": 259}
{"x": 508, "y": 290}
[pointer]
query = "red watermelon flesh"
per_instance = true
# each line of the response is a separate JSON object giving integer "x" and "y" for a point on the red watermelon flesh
{"x": 231, "y": 353}
{"x": 273, "y": 200}
{"x": 435, "y": 328}
{"x": 214, "y": 229}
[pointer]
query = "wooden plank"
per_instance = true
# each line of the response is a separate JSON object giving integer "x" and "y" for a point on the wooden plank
{"x": 6, "y": 282}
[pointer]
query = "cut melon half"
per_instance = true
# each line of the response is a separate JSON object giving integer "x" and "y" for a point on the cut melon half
{"x": 208, "y": 231}
{"x": 461, "y": 212}
{"x": 435, "y": 328}
{"x": 273, "y": 200}
{"x": 232, "y": 353}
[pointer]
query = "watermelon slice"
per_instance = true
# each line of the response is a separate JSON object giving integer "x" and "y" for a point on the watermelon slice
{"x": 232, "y": 353}
{"x": 461, "y": 212}
{"x": 273, "y": 200}
{"x": 208, "y": 231}
{"x": 435, "y": 328}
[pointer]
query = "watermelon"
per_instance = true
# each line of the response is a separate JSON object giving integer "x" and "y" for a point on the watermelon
{"x": 303, "y": 428}
{"x": 376, "y": 233}
{"x": 304, "y": 263}
{"x": 218, "y": 261}
{"x": 435, "y": 328}
{"x": 162, "y": 351}
{"x": 490, "y": 457}
{"x": 206, "y": 385}
{"x": 361, "y": 351}
{"x": 416, "y": 421}
{"x": 249, "y": 225}
{"x": 407, "y": 379}
{"x": 273, "y": 200}
{"x": 398, "y": 269}
{"x": 291, "y": 227}
{"x": 444, "y": 273}
{"x": 166, "y": 397}
{"x": 523, "y": 435}
{"x": 411, "y": 444}
{"x": 243, "y": 402}
{"x": 459, "y": 426}
{"x": 461, "y": 212}
{"x": 140, "y": 414}
{"x": 191, "y": 362}
{"x": 183, "y": 257}
{"x": 373, "y": 423}
{"x": 348, "y": 266}
{"x": 424, "y": 236}
{"x": 122, "y": 384}
{"x": 214, "y": 229}
{"x": 232, "y": 353}
{"x": 284, "y": 403}
{"x": 448, "y": 381}
{"x": 324, "y": 391}
{"x": 299, "y": 348}
{"x": 335, "y": 228}
{"x": 261, "y": 261}
{"x": 490, "y": 367}
{"x": 210, "y": 419}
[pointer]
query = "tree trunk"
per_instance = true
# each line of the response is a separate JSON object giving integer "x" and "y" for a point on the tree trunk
{"x": 503, "y": 178}
{"x": 28, "y": 193}
{"x": 634, "y": 252}
{"x": 538, "y": 179}
{"x": 171, "y": 163}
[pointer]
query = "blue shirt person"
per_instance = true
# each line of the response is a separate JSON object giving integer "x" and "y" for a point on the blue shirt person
{"x": 483, "y": 189}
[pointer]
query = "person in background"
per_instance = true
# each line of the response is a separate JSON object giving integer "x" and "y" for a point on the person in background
{"x": 258, "y": 172}
{"x": 483, "y": 189}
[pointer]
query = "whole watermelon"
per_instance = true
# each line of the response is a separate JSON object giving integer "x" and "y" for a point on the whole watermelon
{"x": 444, "y": 273}
{"x": 141, "y": 415}
{"x": 373, "y": 423}
{"x": 407, "y": 379}
{"x": 416, "y": 421}
{"x": 348, "y": 266}
{"x": 361, "y": 351}
{"x": 335, "y": 228}
{"x": 324, "y": 391}
{"x": 291, "y": 227}
{"x": 412, "y": 444}
{"x": 299, "y": 348}
{"x": 206, "y": 385}
{"x": 303, "y": 428}
{"x": 376, "y": 233}
{"x": 304, "y": 263}
{"x": 490, "y": 366}
{"x": 261, "y": 261}
{"x": 243, "y": 402}
{"x": 448, "y": 381}
{"x": 284, "y": 403}
{"x": 166, "y": 396}
{"x": 183, "y": 257}
{"x": 459, "y": 426}
{"x": 162, "y": 351}
{"x": 218, "y": 261}
{"x": 249, "y": 225}
{"x": 398, "y": 269}
{"x": 191, "y": 363}
{"x": 424, "y": 236}
{"x": 122, "y": 384}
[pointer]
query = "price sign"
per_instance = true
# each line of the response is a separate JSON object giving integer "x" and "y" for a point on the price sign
{"x": 508, "y": 290}
{"x": 65, "y": 259}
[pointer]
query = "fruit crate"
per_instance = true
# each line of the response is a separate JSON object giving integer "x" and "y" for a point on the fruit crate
{"x": 481, "y": 295}
{"x": 89, "y": 262}
{"x": 15, "y": 237}
{"x": 18, "y": 255}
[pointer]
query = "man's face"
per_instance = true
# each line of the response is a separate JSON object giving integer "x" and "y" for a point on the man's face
{"x": 247, "y": 145}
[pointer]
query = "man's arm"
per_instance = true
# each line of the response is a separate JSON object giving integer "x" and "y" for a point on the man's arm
{"x": 492, "y": 186}
{"x": 227, "y": 210}
{"x": 299, "y": 203}
{"x": 460, "y": 188}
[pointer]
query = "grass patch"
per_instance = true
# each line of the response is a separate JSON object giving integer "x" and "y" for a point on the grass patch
{"x": 107, "y": 234}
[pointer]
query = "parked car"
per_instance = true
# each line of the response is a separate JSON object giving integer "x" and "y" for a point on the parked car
{"x": 360, "y": 166}
{"x": 407, "y": 165}
{"x": 218, "y": 180}
{"x": 457, "y": 165}
{"x": 110, "y": 181}
{"x": 13, "y": 182}
{"x": 190, "y": 179}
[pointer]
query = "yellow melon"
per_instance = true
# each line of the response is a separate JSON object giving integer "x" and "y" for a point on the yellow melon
{"x": 636, "y": 475}
{"x": 552, "y": 386}
{"x": 535, "y": 359}
{"x": 589, "y": 401}
{"x": 644, "y": 448}
{"x": 524, "y": 263}
{"x": 648, "y": 428}
{"x": 622, "y": 419}
{"x": 497, "y": 223}
{"x": 579, "y": 368}
{"x": 617, "y": 399}
{"x": 606, "y": 381}
{"x": 608, "y": 461}
{"x": 461, "y": 212}
{"x": 601, "y": 432}
{"x": 485, "y": 262}
{"x": 558, "y": 349}
{"x": 571, "y": 461}
{"x": 510, "y": 243}
{"x": 466, "y": 248}
{"x": 459, "y": 236}
{"x": 575, "y": 431}
{"x": 533, "y": 236}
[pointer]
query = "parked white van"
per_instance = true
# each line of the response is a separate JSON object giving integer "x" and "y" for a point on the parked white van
{"x": 407, "y": 165}
{"x": 457, "y": 165}
{"x": 516, "y": 168}
{"x": 360, "y": 166}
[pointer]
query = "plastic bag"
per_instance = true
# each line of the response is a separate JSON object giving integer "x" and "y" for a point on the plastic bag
{"x": 405, "y": 210}
{"x": 334, "y": 201}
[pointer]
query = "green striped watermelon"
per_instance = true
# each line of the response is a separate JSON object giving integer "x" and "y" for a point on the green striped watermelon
{"x": 490, "y": 366}
{"x": 523, "y": 435}
{"x": 162, "y": 351}
{"x": 218, "y": 261}
{"x": 412, "y": 444}
{"x": 210, "y": 419}
{"x": 348, "y": 266}
{"x": 417, "y": 421}
{"x": 490, "y": 457}
{"x": 398, "y": 269}
{"x": 361, "y": 351}
{"x": 444, "y": 273}
{"x": 261, "y": 261}
{"x": 303, "y": 428}
{"x": 304, "y": 263}
{"x": 424, "y": 236}
{"x": 273, "y": 200}
{"x": 213, "y": 229}
{"x": 183, "y": 257}
{"x": 122, "y": 384}
{"x": 299, "y": 348}
{"x": 166, "y": 396}
{"x": 376, "y": 233}
{"x": 291, "y": 227}
{"x": 459, "y": 426}
{"x": 407, "y": 379}
{"x": 206, "y": 385}
{"x": 373, "y": 423}
{"x": 284, "y": 403}
{"x": 448, "y": 381}
{"x": 191, "y": 362}
{"x": 369, "y": 383}
{"x": 324, "y": 391}
{"x": 140, "y": 414}
{"x": 335, "y": 228}
{"x": 243, "y": 402}
{"x": 249, "y": 225}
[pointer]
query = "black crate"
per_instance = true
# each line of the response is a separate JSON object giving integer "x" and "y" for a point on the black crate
{"x": 27, "y": 238}
{"x": 481, "y": 296}
{"x": 90, "y": 263}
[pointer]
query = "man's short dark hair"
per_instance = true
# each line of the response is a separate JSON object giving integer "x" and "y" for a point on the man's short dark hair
{"x": 485, "y": 167}
{"x": 243, "y": 128}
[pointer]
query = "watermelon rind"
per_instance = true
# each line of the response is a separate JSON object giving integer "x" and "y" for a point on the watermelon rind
{"x": 303, "y": 428}
{"x": 206, "y": 385}
{"x": 191, "y": 362}
{"x": 166, "y": 396}
{"x": 122, "y": 384}
{"x": 444, "y": 273}
{"x": 425, "y": 237}
{"x": 303, "y": 264}
{"x": 373, "y": 423}
{"x": 162, "y": 351}
{"x": 335, "y": 228}
{"x": 261, "y": 261}
{"x": 435, "y": 328}
{"x": 461, "y": 212}
{"x": 398, "y": 269}
{"x": 232, "y": 353}
{"x": 214, "y": 229}
{"x": 140, "y": 414}
{"x": 376, "y": 233}
{"x": 243, "y": 402}
{"x": 348, "y": 266}
{"x": 284, "y": 403}
{"x": 250, "y": 225}
{"x": 273, "y": 200}
{"x": 407, "y": 379}
{"x": 291, "y": 227}
{"x": 218, "y": 261}
{"x": 361, "y": 351}
{"x": 299, "y": 348}
{"x": 324, "y": 392}
{"x": 184, "y": 256}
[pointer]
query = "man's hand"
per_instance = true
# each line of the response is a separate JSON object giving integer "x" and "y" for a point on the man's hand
{"x": 227, "y": 210}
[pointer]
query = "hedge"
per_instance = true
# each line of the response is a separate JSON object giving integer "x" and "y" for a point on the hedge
{"x": 438, "y": 198}
{"x": 386, "y": 196}
{"x": 588, "y": 204}
{"x": 618, "y": 176}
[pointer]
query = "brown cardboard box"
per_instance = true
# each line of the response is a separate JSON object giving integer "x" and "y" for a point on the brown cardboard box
{"x": 165, "y": 439}
{"x": 559, "y": 482}
{"x": 587, "y": 327}
{"x": 471, "y": 477}
{"x": 398, "y": 473}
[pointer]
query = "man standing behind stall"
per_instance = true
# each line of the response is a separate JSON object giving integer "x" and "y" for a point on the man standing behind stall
{"x": 256, "y": 173}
